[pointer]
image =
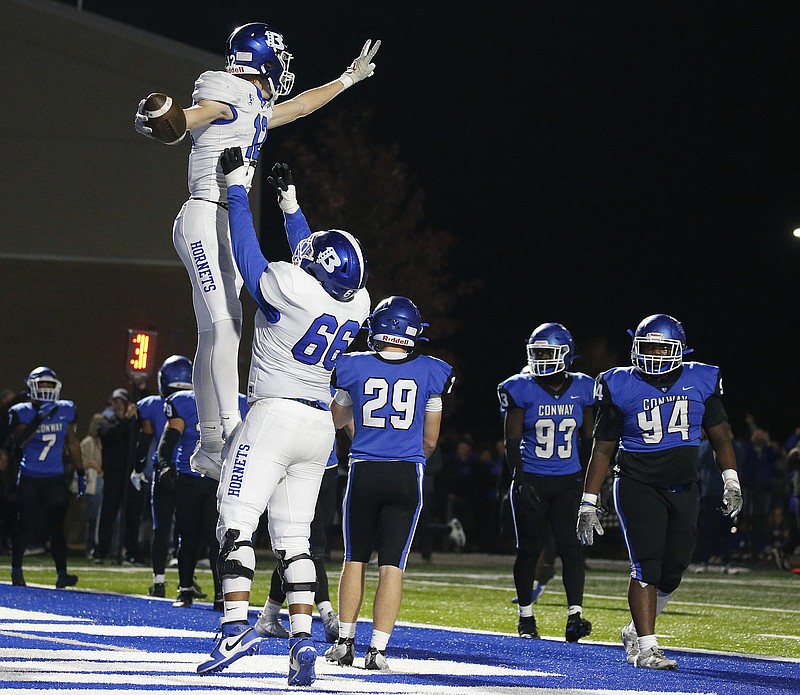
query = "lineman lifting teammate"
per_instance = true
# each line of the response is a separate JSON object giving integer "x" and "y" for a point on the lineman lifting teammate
{"x": 390, "y": 399}
{"x": 234, "y": 108}
{"x": 546, "y": 410}
{"x": 309, "y": 312}
{"x": 654, "y": 410}
{"x": 42, "y": 428}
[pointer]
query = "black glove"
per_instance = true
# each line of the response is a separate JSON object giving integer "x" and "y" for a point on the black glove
{"x": 167, "y": 477}
{"x": 230, "y": 159}
{"x": 283, "y": 183}
{"x": 527, "y": 495}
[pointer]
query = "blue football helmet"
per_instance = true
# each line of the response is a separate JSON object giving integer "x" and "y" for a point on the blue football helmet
{"x": 175, "y": 375}
{"x": 659, "y": 344}
{"x": 395, "y": 321}
{"x": 43, "y": 385}
{"x": 551, "y": 349}
{"x": 258, "y": 49}
{"x": 335, "y": 258}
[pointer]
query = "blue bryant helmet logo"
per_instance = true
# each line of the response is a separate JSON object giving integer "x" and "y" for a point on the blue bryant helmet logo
{"x": 659, "y": 344}
{"x": 395, "y": 321}
{"x": 550, "y": 349}
{"x": 335, "y": 258}
{"x": 175, "y": 375}
{"x": 43, "y": 385}
{"x": 258, "y": 49}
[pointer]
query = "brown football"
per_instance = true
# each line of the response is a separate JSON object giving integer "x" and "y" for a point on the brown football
{"x": 165, "y": 116}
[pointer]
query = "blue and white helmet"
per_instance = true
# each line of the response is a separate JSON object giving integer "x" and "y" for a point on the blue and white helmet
{"x": 335, "y": 258}
{"x": 43, "y": 385}
{"x": 663, "y": 333}
{"x": 175, "y": 375}
{"x": 258, "y": 49}
{"x": 551, "y": 349}
{"x": 395, "y": 321}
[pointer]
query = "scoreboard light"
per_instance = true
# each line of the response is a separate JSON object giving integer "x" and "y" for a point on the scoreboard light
{"x": 141, "y": 350}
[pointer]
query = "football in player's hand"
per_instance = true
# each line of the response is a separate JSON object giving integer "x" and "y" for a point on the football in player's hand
{"x": 166, "y": 118}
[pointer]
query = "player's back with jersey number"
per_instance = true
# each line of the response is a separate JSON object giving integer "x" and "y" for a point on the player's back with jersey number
{"x": 389, "y": 402}
{"x": 296, "y": 347}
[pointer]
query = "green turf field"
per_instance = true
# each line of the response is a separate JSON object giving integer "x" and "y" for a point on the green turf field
{"x": 757, "y": 612}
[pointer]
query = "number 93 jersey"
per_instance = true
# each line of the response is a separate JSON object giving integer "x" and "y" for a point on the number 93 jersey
{"x": 294, "y": 352}
{"x": 657, "y": 417}
{"x": 389, "y": 402}
{"x": 551, "y": 423}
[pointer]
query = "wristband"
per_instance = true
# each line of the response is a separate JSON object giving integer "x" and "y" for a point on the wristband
{"x": 730, "y": 474}
{"x": 589, "y": 498}
{"x": 346, "y": 81}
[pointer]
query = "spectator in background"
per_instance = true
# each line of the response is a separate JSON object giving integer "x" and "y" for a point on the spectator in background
{"x": 43, "y": 429}
{"x": 457, "y": 478}
{"x": 8, "y": 500}
{"x": 759, "y": 464}
{"x": 117, "y": 432}
{"x": 91, "y": 451}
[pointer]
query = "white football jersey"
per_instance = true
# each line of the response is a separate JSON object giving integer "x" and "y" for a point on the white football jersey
{"x": 248, "y": 130}
{"x": 294, "y": 357}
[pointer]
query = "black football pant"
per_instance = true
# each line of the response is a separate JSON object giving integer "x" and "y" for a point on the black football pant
{"x": 196, "y": 522}
{"x": 541, "y": 504}
{"x": 41, "y": 502}
{"x": 163, "y": 509}
{"x": 114, "y": 492}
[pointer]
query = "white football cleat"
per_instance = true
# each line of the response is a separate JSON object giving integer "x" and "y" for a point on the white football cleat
{"x": 630, "y": 640}
{"x": 654, "y": 658}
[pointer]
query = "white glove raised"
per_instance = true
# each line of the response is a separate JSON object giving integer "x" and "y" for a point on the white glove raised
{"x": 732, "y": 494}
{"x": 588, "y": 519}
{"x": 137, "y": 479}
{"x": 140, "y": 122}
{"x": 362, "y": 67}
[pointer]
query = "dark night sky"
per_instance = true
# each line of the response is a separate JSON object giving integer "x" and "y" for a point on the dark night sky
{"x": 598, "y": 162}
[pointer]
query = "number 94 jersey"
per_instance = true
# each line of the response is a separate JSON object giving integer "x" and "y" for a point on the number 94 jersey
{"x": 389, "y": 402}
{"x": 655, "y": 417}
{"x": 552, "y": 421}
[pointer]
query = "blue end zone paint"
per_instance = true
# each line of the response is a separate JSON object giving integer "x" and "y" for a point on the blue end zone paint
{"x": 583, "y": 666}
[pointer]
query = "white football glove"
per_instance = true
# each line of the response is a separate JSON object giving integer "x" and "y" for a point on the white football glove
{"x": 137, "y": 479}
{"x": 140, "y": 122}
{"x": 732, "y": 494}
{"x": 362, "y": 67}
{"x": 589, "y": 519}
{"x": 204, "y": 463}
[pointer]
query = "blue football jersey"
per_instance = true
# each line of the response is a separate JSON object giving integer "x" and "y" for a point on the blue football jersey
{"x": 552, "y": 422}
{"x": 659, "y": 418}
{"x": 389, "y": 399}
{"x": 43, "y": 454}
{"x": 183, "y": 405}
{"x": 152, "y": 408}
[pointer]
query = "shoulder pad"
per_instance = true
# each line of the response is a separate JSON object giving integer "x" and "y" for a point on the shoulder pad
{"x": 220, "y": 86}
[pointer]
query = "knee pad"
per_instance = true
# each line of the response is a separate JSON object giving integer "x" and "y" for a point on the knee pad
{"x": 236, "y": 558}
{"x": 299, "y": 576}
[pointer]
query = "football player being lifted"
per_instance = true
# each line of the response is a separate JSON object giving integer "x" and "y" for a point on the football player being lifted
{"x": 547, "y": 413}
{"x": 232, "y": 108}
{"x": 654, "y": 411}
{"x": 309, "y": 312}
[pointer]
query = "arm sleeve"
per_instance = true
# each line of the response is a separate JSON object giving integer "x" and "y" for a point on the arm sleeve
{"x": 297, "y": 228}
{"x": 715, "y": 413}
{"x": 142, "y": 449}
{"x": 608, "y": 425}
{"x": 166, "y": 447}
{"x": 513, "y": 455}
{"x": 246, "y": 251}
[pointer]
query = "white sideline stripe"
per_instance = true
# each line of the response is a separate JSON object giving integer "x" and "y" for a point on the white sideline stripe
{"x": 767, "y": 634}
{"x": 57, "y": 640}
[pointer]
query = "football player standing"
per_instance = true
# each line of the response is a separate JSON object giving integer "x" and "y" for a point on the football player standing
{"x": 654, "y": 411}
{"x": 309, "y": 312}
{"x": 547, "y": 413}
{"x": 390, "y": 399}
{"x": 42, "y": 428}
{"x": 232, "y": 108}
